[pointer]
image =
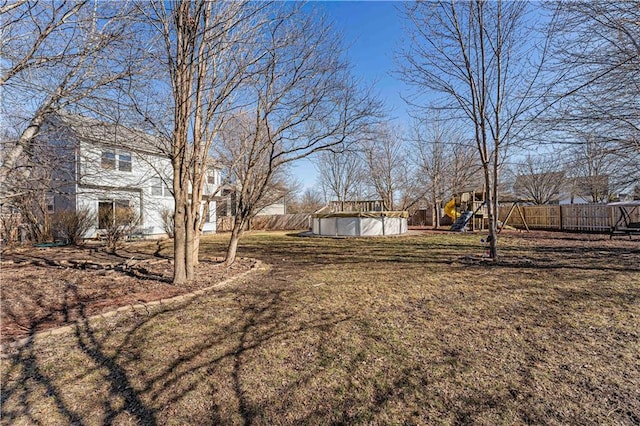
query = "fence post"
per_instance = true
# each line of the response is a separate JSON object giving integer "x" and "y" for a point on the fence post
{"x": 561, "y": 218}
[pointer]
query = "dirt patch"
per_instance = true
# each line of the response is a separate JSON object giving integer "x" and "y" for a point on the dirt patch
{"x": 45, "y": 288}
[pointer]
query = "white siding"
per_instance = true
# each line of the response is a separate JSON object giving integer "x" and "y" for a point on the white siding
{"x": 98, "y": 183}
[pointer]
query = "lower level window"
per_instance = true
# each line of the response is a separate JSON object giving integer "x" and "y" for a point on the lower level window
{"x": 114, "y": 213}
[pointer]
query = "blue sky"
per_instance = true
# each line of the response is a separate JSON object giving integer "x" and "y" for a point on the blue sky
{"x": 372, "y": 34}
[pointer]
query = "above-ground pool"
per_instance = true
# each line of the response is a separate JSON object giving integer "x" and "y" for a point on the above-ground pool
{"x": 356, "y": 224}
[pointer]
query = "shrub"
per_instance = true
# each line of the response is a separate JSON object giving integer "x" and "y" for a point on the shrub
{"x": 73, "y": 225}
{"x": 118, "y": 224}
{"x": 168, "y": 224}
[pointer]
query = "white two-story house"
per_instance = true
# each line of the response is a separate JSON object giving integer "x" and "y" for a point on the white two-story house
{"x": 104, "y": 167}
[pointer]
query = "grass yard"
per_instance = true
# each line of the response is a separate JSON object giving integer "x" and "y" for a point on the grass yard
{"x": 408, "y": 330}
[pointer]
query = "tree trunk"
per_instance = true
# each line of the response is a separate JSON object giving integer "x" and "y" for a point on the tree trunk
{"x": 491, "y": 214}
{"x": 196, "y": 247}
{"x": 189, "y": 240}
{"x": 236, "y": 233}
{"x": 179, "y": 243}
{"x": 199, "y": 228}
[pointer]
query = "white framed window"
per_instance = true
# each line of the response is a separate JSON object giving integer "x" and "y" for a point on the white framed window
{"x": 156, "y": 187}
{"x": 112, "y": 160}
{"x": 211, "y": 177}
{"x": 159, "y": 188}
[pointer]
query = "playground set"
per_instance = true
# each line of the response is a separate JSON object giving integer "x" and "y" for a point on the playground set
{"x": 468, "y": 210}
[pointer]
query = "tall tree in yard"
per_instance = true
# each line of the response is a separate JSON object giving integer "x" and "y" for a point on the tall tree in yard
{"x": 475, "y": 55}
{"x": 299, "y": 100}
{"x": 340, "y": 173}
{"x": 443, "y": 161}
{"x": 540, "y": 179}
{"x": 209, "y": 50}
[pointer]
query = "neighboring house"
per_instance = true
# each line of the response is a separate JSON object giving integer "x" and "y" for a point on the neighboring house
{"x": 104, "y": 167}
{"x": 228, "y": 204}
{"x": 278, "y": 207}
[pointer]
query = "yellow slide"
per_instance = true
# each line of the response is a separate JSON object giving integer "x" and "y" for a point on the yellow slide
{"x": 450, "y": 209}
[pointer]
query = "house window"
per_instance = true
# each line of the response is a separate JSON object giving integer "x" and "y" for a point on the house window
{"x": 124, "y": 161}
{"x": 156, "y": 187}
{"x": 159, "y": 188}
{"x": 211, "y": 177}
{"x": 108, "y": 160}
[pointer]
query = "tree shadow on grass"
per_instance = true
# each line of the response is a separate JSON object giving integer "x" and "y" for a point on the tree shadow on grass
{"x": 421, "y": 251}
{"x": 32, "y": 376}
{"x": 261, "y": 318}
{"x": 218, "y": 348}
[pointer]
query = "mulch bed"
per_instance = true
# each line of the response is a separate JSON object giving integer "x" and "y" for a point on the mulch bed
{"x": 43, "y": 288}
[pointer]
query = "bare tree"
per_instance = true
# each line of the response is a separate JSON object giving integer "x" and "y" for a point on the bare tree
{"x": 598, "y": 173}
{"x": 310, "y": 201}
{"x": 540, "y": 179}
{"x": 597, "y": 51}
{"x": 47, "y": 173}
{"x": 209, "y": 47}
{"x": 386, "y": 164}
{"x": 72, "y": 225}
{"x": 300, "y": 100}
{"x": 597, "y": 56}
{"x": 58, "y": 55}
{"x": 444, "y": 162}
{"x": 431, "y": 160}
{"x": 340, "y": 173}
{"x": 474, "y": 54}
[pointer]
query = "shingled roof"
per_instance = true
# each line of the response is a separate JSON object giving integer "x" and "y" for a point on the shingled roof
{"x": 93, "y": 131}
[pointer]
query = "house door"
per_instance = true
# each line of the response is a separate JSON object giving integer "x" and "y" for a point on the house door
{"x": 115, "y": 213}
{"x": 105, "y": 214}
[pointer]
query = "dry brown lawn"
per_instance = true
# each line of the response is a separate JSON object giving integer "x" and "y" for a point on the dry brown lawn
{"x": 409, "y": 330}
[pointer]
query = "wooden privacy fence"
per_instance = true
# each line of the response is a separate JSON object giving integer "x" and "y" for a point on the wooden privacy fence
{"x": 276, "y": 222}
{"x": 569, "y": 217}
